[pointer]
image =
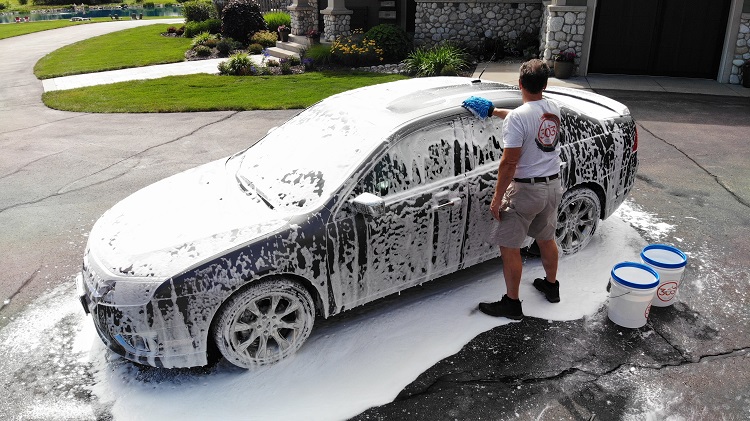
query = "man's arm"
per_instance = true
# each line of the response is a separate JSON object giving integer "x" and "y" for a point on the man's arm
{"x": 505, "y": 173}
{"x": 500, "y": 112}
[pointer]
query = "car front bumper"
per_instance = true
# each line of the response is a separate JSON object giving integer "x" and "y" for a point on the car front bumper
{"x": 138, "y": 334}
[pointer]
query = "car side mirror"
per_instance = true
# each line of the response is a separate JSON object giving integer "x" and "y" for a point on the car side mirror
{"x": 368, "y": 204}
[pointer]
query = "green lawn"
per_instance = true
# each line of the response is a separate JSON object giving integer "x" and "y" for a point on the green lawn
{"x": 136, "y": 47}
{"x": 204, "y": 92}
{"x": 15, "y": 29}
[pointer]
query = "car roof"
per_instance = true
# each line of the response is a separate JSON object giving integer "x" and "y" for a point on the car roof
{"x": 395, "y": 104}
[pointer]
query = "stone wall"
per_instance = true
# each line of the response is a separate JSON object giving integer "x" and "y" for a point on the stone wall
{"x": 741, "y": 50}
{"x": 469, "y": 22}
{"x": 563, "y": 29}
{"x": 304, "y": 18}
{"x": 336, "y": 24}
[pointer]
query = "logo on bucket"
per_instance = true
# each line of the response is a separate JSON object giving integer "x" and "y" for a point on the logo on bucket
{"x": 648, "y": 309}
{"x": 667, "y": 291}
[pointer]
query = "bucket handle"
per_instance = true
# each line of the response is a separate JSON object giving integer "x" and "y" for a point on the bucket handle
{"x": 609, "y": 286}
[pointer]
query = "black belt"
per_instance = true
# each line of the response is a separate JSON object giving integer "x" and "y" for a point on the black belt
{"x": 536, "y": 179}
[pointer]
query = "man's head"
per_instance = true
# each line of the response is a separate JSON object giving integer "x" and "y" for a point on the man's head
{"x": 534, "y": 75}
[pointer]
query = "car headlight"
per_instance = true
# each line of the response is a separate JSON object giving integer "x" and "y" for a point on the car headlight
{"x": 117, "y": 290}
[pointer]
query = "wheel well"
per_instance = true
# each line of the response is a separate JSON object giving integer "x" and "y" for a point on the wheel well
{"x": 599, "y": 190}
{"x": 319, "y": 310}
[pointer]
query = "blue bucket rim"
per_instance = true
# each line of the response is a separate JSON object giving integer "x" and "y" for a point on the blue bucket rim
{"x": 663, "y": 265}
{"x": 632, "y": 284}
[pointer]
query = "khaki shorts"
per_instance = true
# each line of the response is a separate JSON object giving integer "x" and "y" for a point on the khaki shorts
{"x": 528, "y": 209}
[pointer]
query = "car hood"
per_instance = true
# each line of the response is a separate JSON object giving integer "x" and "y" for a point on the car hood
{"x": 178, "y": 222}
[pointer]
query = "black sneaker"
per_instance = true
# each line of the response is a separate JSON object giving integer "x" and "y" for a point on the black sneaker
{"x": 506, "y": 307}
{"x": 550, "y": 291}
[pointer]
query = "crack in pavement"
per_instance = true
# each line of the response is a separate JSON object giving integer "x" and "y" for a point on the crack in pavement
{"x": 62, "y": 191}
{"x": 715, "y": 177}
{"x": 18, "y": 290}
{"x": 43, "y": 124}
{"x": 21, "y": 168}
{"x": 517, "y": 381}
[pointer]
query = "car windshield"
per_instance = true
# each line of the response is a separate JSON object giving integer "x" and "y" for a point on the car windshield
{"x": 301, "y": 163}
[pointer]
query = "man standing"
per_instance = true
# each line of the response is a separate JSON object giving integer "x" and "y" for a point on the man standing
{"x": 528, "y": 189}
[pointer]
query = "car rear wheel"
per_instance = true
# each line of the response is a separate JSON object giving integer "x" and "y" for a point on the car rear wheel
{"x": 264, "y": 323}
{"x": 577, "y": 219}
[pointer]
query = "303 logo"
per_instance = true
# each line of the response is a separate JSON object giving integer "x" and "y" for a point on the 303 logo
{"x": 667, "y": 291}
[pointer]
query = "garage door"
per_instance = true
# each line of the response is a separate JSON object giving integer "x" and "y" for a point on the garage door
{"x": 682, "y": 38}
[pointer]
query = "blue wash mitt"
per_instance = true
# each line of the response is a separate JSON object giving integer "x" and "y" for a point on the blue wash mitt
{"x": 480, "y": 107}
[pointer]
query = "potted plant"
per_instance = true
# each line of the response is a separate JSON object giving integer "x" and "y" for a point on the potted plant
{"x": 284, "y": 32}
{"x": 313, "y": 36}
{"x": 564, "y": 64}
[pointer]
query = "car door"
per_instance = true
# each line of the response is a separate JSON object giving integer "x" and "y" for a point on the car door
{"x": 417, "y": 235}
{"x": 485, "y": 144}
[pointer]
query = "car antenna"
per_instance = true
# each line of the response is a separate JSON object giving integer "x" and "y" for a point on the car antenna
{"x": 479, "y": 79}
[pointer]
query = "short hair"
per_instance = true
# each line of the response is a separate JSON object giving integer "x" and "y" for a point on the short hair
{"x": 534, "y": 75}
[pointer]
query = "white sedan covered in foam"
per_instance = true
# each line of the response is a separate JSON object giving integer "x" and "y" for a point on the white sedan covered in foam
{"x": 364, "y": 194}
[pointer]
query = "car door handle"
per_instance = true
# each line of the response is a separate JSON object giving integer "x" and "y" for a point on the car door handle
{"x": 452, "y": 202}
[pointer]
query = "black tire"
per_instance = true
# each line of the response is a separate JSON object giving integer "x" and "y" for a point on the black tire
{"x": 577, "y": 219}
{"x": 264, "y": 323}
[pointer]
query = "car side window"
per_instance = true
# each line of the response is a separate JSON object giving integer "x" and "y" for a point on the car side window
{"x": 423, "y": 156}
{"x": 486, "y": 140}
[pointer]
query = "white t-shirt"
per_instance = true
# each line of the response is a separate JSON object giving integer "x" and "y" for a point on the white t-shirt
{"x": 535, "y": 128}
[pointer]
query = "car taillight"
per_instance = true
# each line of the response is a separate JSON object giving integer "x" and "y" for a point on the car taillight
{"x": 635, "y": 142}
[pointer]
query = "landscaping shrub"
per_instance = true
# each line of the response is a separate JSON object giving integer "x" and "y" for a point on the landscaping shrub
{"x": 198, "y": 11}
{"x": 241, "y": 19}
{"x": 294, "y": 61}
{"x": 492, "y": 49}
{"x": 226, "y": 46}
{"x": 212, "y": 26}
{"x": 272, "y": 63}
{"x": 171, "y": 30}
{"x": 528, "y": 40}
{"x": 355, "y": 50}
{"x": 255, "y": 49}
{"x": 237, "y": 65}
{"x": 204, "y": 38}
{"x": 202, "y": 50}
{"x": 149, "y": 5}
{"x": 276, "y": 19}
{"x": 441, "y": 60}
{"x": 286, "y": 67}
{"x": 320, "y": 54}
{"x": 528, "y": 45}
{"x": 392, "y": 40}
{"x": 264, "y": 38}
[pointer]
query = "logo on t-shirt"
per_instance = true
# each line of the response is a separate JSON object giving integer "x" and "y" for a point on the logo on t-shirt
{"x": 549, "y": 132}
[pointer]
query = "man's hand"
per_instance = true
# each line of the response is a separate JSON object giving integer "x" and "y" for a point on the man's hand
{"x": 495, "y": 206}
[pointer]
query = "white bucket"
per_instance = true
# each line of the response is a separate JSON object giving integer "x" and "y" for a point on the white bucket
{"x": 632, "y": 288}
{"x": 669, "y": 262}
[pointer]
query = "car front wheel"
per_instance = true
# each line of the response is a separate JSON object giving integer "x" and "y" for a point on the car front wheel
{"x": 264, "y": 323}
{"x": 577, "y": 219}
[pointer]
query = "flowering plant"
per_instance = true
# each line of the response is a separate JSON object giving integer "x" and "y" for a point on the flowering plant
{"x": 565, "y": 56}
{"x": 283, "y": 28}
{"x": 313, "y": 33}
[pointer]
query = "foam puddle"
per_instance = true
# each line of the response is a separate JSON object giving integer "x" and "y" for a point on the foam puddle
{"x": 351, "y": 362}
{"x": 366, "y": 357}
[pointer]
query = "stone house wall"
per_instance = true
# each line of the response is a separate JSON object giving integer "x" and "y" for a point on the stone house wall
{"x": 563, "y": 29}
{"x": 470, "y": 22}
{"x": 741, "y": 50}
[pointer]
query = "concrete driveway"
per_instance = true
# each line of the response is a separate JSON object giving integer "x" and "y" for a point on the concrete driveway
{"x": 59, "y": 171}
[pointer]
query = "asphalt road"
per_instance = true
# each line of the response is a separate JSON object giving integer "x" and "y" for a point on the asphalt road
{"x": 60, "y": 171}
